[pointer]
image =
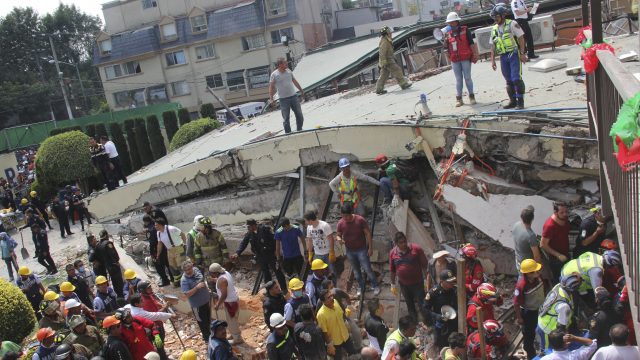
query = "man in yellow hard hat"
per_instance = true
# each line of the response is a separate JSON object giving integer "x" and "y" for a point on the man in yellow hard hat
{"x": 298, "y": 298}
{"x": 41, "y": 206}
{"x": 32, "y": 288}
{"x": 528, "y": 295}
{"x": 314, "y": 283}
{"x": 51, "y": 311}
{"x": 104, "y": 303}
{"x": 131, "y": 281}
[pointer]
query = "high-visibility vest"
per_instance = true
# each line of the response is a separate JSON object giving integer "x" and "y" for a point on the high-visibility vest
{"x": 548, "y": 315}
{"x": 349, "y": 193}
{"x": 399, "y": 339}
{"x": 582, "y": 265}
{"x": 506, "y": 43}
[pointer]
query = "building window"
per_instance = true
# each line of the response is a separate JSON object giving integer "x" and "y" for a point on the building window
{"x": 129, "y": 98}
{"x": 252, "y": 42}
{"x": 169, "y": 32}
{"x": 235, "y": 80}
{"x": 146, "y": 4}
{"x": 180, "y": 88}
{"x": 276, "y": 35}
{"x": 276, "y": 7}
{"x": 205, "y": 52}
{"x": 176, "y": 58}
{"x": 118, "y": 70}
{"x": 214, "y": 81}
{"x": 105, "y": 47}
{"x": 157, "y": 95}
{"x": 198, "y": 23}
{"x": 258, "y": 77}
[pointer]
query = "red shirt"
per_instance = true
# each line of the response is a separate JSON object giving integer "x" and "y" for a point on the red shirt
{"x": 558, "y": 235}
{"x": 473, "y": 276}
{"x": 487, "y": 311}
{"x": 150, "y": 304}
{"x": 352, "y": 232}
{"x": 473, "y": 344}
{"x": 408, "y": 266}
{"x": 136, "y": 338}
{"x": 522, "y": 287}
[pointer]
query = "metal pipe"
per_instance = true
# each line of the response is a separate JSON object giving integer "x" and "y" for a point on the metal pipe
{"x": 302, "y": 176}
{"x": 582, "y": 108}
{"x": 64, "y": 90}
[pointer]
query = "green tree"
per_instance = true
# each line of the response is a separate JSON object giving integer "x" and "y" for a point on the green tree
{"x": 121, "y": 145}
{"x": 101, "y": 130}
{"x": 184, "y": 116}
{"x": 90, "y": 130}
{"x": 156, "y": 140}
{"x": 136, "y": 163}
{"x": 142, "y": 141}
{"x": 170, "y": 123}
{"x": 64, "y": 158}
{"x": 208, "y": 111}
{"x": 17, "y": 319}
{"x": 56, "y": 131}
{"x": 192, "y": 131}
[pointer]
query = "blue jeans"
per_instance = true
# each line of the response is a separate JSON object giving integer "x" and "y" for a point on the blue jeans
{"x": 512, "y": 72}
{"x": 387, "y": 189}
{"x": 287, "y": 104}
{"x": 358, "y": 259}
{"x": 462, "y": 69}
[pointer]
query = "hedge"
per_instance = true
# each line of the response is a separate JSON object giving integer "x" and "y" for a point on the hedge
{"x": 208, "y": 111}
{"x": 64, "y": 158}
{"x": 142, "y": 141}
{"x": 170, "y": 123}
{"x": 121, "y": 145}
{"x": 192, "y": 131}
{"x": 101, "y": 130}
{"x": 90, "y": 130}
{"x": 184, "y": 116}
{"x": 56, "y": 131}
{"x": 136, "y": 163}
{"x": 17, "y": 319}
{"x": 156, "y": 140}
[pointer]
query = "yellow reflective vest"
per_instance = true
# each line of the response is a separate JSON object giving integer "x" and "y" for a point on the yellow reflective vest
{"x": 507, "y": 42}
{"x": 582, "y": 265}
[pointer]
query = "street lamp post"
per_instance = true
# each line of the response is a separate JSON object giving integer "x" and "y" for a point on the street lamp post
{"x": 84, "y": 94}
{"x": 64, "y": 90}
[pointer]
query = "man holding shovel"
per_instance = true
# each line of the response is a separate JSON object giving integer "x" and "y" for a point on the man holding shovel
{"x": 226, "y": 297}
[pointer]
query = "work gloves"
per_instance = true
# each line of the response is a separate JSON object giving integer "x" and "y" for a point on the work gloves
{"x": 157, "y": 341}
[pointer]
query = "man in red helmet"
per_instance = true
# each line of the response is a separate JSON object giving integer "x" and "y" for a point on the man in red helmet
{"x": 473, "y": 272}
{"x": 485, "y": 298}
{"x": 134, "y": 334}
{"x": 393, "y": 182}
{"x": 495, "y": 339}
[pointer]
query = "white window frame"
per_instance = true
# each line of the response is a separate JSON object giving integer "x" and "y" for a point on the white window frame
{"x": 259, "y": 72}
{"x": 280, "y": 34}
{"x": 209, "y": 49}
{"x": 253, "y": 42}
{"x": 175, "y": 58}
{"x": 182, "y": 85}
{"x": 198, "y": 28}
{"x": 214, "y": 81}
{"x": 148, "y": 4}
{"x": 235, "y": 87}
{"x": 276, "y": 8}
{"x": 121, "y": 70}
{"x": 169, "y": 37}
{"x": 106, "y": 52}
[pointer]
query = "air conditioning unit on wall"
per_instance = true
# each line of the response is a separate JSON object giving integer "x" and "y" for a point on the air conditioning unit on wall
{"x": 542, "y": 29}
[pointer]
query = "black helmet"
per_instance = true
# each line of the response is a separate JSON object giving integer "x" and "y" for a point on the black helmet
{"x": 63, "y": 351}
{"x": 142, "y": 286}
{"x": 499, "y": 9}
{"x": 385, "y": 30}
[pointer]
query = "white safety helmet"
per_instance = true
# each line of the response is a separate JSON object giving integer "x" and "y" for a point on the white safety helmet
{"x": 196, "y": 223}
{"x": 71, "y": 303}
{"x": 453, "y": 16}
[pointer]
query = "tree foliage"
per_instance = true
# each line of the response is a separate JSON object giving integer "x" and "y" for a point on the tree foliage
{"x": 192, "y": 131}
{"x": 184, "y": 116}
{"x": 17, "y": 318}
{"x": 101, "y": 130}
{"x": 208, "y": 111}
{"x": 170, "y": 123}
{"x": 142, "y": 141}
{"x": 90, "y": 130}
{"x": 56, "y": 131}
{"x": 156, "y": 140}
{"x": 136, "y": 163}
{"x": 64, "y": 158}
{"x": 121, "y": 145}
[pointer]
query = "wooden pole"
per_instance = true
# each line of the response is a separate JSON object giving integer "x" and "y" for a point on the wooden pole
{"x": 483, "y": 346}
{"x": 462, "y": 297}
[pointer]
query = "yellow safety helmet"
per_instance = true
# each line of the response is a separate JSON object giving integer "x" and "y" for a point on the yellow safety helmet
{"x": 33, "y": 194}
{"x": 51, "y": 295}
{"x": 296, "y": 284}
{"x": 189, "y": 355}
{"x": 318, "y": 264}
{"x": 67, "y": 286}
{"x": 129, "y": 274}
{"x": 24, "y": 271}
{"x": 101, "y": 280}
{"x": 529, "y": 265}
{"x": 24, "y": 201}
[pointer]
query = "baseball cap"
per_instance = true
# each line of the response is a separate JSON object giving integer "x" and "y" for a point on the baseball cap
{"x": 439, "y": 254}
{"x": 447, "y": 275}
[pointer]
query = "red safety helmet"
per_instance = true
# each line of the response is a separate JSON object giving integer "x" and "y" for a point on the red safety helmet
{"x": 486, "y": 291}
{"x": 493, "y": 329}
{"x": 608, "y": 244}
{"x": 381, "y": 159}
{"x": 469, "y": 251}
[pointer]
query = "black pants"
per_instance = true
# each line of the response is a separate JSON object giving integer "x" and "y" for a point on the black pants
{"x": 44, "y": 258}
{"x": 203, "y": 317}
{"x": 117, "y": 170}
{"x": 83, "y": 212}
{"x": 45, "y": 217}
{"x": 528, "y": 36}
{"x": 71, "y": 214}
{"x": 345, "y": 349}
{"x": 63, "y": 223}
{"x": 530, "y": 318}
{"x": 268, "y": 265}
{"x": 413, "y": 294}
{"x": 116, "y": 279}
{"x": 162, "y": 266}
{"x": 293, "y": 265}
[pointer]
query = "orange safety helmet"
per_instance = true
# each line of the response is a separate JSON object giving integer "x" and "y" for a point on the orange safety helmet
{"x": 381, "y": 159}
{"x": 110, "y": 321}
{"x": 608, "y": 244}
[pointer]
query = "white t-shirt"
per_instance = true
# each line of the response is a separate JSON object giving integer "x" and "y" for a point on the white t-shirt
{"x": 613, "y": 352}
{"x": 519, "y": 5}
{"x": 516, "y": 30}
{"x": 319, "y": 237}
{"x": 110, "y": 149}
{"x": 284, "y": 83}
{"x": 175, "y": 236}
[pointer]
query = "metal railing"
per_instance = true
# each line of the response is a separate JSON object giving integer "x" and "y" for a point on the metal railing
{"x": 607, "y": 89}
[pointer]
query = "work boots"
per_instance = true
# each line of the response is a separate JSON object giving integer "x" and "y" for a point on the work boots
{"x": 472, "y": 99}
{"x": 459, "y": 101}
{"x": 512, "y": 99}
{"x": 520, "y": 104}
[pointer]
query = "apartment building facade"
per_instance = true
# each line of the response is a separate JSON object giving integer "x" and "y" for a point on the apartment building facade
{"x": 154, "y": 51}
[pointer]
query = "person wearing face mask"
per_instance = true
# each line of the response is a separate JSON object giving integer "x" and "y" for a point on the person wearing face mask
{"x": 227, "y": 298}
{"x": 298, "y": 298}
{"x": 462, "y": 52}
{"x": 85, "y": 274}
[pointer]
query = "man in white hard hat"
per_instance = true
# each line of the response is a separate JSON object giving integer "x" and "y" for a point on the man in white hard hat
{"x": 280, "y": 344}
{"x": 462, "y": 52}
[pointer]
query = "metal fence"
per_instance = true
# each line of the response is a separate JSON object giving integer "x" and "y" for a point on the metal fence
{"x": 607, "y": 89}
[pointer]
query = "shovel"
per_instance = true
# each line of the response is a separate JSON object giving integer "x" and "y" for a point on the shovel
{"x": 170, "y": 299}
{"x": 23, "y": 251}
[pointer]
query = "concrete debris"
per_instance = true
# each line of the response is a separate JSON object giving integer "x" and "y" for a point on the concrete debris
{"x": 428, "y": 73}
{"x": 548, "y": 65}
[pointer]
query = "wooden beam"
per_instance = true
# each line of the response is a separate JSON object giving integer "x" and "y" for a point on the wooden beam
{"x": 483, "y": 342}
{"x": 462, "y": 297}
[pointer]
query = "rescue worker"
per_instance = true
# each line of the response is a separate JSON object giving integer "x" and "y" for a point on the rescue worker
{"x": 527, "y": 298}
{"x": 130, "y": 285}
{"x": 557, "y": 310}
{"x": 47, "y": 349}
{"x": 441, "y": 260}
{"x": 135, "y": 306}
{"x": 393, "y": 184}
{"x": 107, "y": 255}
{"x": 134, "y": 334}
{"x": 486, "y": 298}
{"x": 104, "y": 304}
{"x": 406, "y": 331}
{"x": 219, "y": 347}
{"x": 592, "y": 232}
{"x": 41, "y": 206}
{"x": 31, "y": 287}
{"x": 495, "y": 341}
{"x": 314, "y": 282}
{"x": 473, "y": 272}
{"x": 192, "y": 235}
{"x": 69, "y": 352}
{"x": 290, "y": 245}
{"x": 209, "y": 246}
{"x": 33, "y": 219}
{"x": 98, "y": 267}
{"x": 591, "y": 267}
{"x": 52, "y": 316}
{"x": 115, "y": 348}
{"x": 603, "y": 319}
{"x": 507, "y": 40}
{"x": 263, "y": 245}
{"x": 44, "y": 252}
{"x": 59, "y": 210}
{"x": 345, "y": 185}
{"x": 623, "y": 309}
{"x": 281, "y": 342}
{"x": 160, "y": 263}
{"x": 172, "y": 240}
{"x": 309, "y": 336}
{"x": 151, "y": 304}
{"x": 444, "y": 293}
{"x": 227, "y": 298}
{"x": 387, "y": 63}
{"x": 462, "y": 52}
{"x": 611, "y": 273}
{"x": 85, "y": 335}
{"x": 75, "y": 307}
{"x": 376, "y": 329}
{"x": 81, "y": 207}
{"x": 273, "y": 302}
{"x": 78, "y": 286}
{"x": 298, "y": 298}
